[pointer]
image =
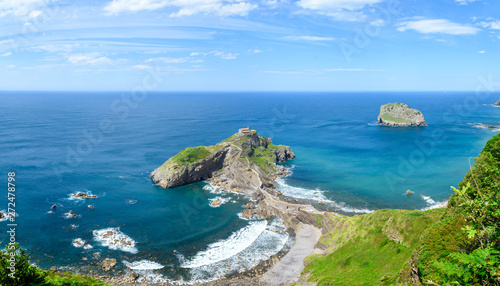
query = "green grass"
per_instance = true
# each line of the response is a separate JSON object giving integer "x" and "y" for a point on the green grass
{"x": 360, "y": 249}
{"x": 69, "y": 279}
{"x": 190, "y": 155}
{"x": 265, "y": 159}
{"x": 388, "y": 117}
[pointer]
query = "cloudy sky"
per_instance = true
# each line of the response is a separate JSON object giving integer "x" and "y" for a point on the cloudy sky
{"x": 238, "y": 45}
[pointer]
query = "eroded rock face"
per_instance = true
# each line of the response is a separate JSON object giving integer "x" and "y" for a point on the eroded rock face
{"x": 400, "y": 115}
{"x": 168, "y": 176}
{"x": 243, "y": 162}
{"x": 284, "y": 154}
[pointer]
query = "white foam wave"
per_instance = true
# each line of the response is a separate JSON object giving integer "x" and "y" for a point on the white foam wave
{"x": 432, "y": 204}
{"x": 315, "y": 195}
{"x": 143, "y": 265}
{"x": 71, "y": 196}
{"x": 114, "y": 239}
{"x": 218, "y": 201}
{"x": 5, "y": 217}
{"x": 78, "y": 242}
{"x": 428, "y": 200}
{"x": 88, "y": 246}
{"x": 227, "y": 248}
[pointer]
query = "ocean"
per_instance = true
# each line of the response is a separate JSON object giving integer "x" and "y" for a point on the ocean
{"x": 107, "y": 144}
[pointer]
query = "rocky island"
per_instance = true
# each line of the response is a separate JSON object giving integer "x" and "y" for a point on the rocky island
{"x": 400, "y": 115}
{"x": 497, "y": 103}
{"x": 243, "y": 162}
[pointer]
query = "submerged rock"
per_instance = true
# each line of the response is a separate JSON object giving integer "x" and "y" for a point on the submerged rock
{"x": 409, "y": 192}
{"x": 84, "y": 196}
{"x": 400, "y": 115}
{"x": 485, "y": 126}
{"x": 71, "y": 214}
{"x": 53, "y": 207}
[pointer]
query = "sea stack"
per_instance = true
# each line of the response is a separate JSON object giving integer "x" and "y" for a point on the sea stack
{"x": 400, "y": 115}
{"x": 497, "y": 103}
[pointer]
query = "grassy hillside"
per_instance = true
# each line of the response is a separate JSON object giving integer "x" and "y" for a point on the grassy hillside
{"x": 459, "y": 245}
{"x": 369, "y": 249}
{"x": 463, "y": 248}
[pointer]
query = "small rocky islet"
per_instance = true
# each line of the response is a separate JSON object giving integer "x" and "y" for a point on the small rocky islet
{"x": 399, "y": 114}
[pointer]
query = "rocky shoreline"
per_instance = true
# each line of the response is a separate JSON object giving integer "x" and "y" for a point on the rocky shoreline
{"x": 267, "y": 203}
{"x": 246, "y": 164}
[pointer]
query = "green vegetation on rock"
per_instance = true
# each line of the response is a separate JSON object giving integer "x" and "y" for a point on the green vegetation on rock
{"x": 400, "y": 114}
{"x": 242, "y": 161}
{"x": 25, "y": 274}
{"x": 368, "y": 249}
{"x": 190, "y": 155}
{"x": 463, "y": 248}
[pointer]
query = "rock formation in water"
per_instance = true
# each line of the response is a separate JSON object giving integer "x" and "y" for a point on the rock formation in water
{"x": 400, "y": 115}
{"x": 242, "y": 162}
{"x": 497, "y": 103}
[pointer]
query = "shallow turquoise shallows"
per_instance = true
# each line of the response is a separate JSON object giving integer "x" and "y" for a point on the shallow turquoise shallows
{"x": 108, "y": 143}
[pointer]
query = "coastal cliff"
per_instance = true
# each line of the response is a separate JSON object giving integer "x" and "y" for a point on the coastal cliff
{"x": 243, "y": 162}
{"x": 400, "y": 115}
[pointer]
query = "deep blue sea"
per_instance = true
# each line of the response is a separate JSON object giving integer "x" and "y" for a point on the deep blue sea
{"x": 107, "y": 144}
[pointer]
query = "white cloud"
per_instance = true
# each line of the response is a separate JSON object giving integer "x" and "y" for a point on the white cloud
{"x": 482, "y": 52}
{"x": 169, "y": 60}
{"x": 341, "y": 10}
{"x": 465, "y": 2}
{"x": 6, "y": 54}
{"x": 5, "y": 42}
{"x": 35, "y": 14}
{"x": 11, "y": 66}
{"x": 21, "y": 7}
{"x": 141, "y": 67}
{"x": 54, "y": 48}
{"x": 89, "y": 59}
{"x": 316, "y": 71}
{"x": 434, "y": 26}
{"x": 353, "y": 70}
{"x": 222, "y": 55}
{"x": 255, "y": 51}
{"x": 378, "y": 23}
{"x": 186, "y": 7}
{"x": 308, "y": 38}
{"x": 492, "y": 24}
{"x": 225, "y": 56}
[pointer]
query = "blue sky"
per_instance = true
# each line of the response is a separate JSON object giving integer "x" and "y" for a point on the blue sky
{"x": 263, "y": 45}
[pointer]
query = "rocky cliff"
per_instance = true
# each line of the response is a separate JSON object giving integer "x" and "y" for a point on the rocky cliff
{"x": 400, "y": 115}
{"x": 243, "y": 162}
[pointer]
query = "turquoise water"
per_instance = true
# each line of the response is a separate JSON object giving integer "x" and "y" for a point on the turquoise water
{"x": 53, "y": 143}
